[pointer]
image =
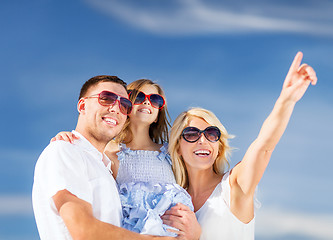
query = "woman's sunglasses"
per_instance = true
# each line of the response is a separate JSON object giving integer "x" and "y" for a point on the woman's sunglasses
{"x": 106, "y": 98}
{"x": 192, "y": 134}
{"x": 156, "y": 100}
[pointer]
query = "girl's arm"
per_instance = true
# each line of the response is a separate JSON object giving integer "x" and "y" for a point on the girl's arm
{"x": 246, "y": 175}
{"x": 65, "y": 136}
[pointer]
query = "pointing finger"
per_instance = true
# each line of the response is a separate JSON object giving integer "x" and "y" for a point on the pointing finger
{"x": 294, "y": 67}
{"x": 296, "y": 63}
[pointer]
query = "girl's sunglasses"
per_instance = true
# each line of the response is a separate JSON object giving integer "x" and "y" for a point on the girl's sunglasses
{"x": 192, "y": 134}
{"x": 106, "y": 98}
{"x": 156, "y": 100}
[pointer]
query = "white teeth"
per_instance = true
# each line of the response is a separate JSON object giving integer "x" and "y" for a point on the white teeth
{"x": 145, "y": 110}
{"x": 110, "y": 120}
{"x": 202, "y": 152}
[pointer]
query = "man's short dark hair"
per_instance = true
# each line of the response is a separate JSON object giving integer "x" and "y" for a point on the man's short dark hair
{"x": 97, "y": 79}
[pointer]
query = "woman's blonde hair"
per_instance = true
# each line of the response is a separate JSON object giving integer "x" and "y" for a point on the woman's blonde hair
{"x": 181, "y": 122}
{"x": 158, "y": 131}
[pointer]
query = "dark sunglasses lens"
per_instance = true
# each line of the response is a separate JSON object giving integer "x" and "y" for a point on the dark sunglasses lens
{"x": 107, "y": 98}
{"x": 140, "y": 98}
{"x": 156, "y": 100}
{"x": 125, "y": 106}
{"x": 213, "y": 134}
{"x": 191, "y": 134}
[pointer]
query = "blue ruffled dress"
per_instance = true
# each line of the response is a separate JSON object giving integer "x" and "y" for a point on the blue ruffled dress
{"x": 147, "y": 189}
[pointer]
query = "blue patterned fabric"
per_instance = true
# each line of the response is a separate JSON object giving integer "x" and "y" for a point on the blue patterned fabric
{"x": 147, "y": 189}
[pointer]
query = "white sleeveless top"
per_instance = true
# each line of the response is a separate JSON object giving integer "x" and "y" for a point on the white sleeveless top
{"x": 216, "y": 219}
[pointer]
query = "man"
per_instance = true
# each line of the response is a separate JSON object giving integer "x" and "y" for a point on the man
{"x": 74, "y": 193}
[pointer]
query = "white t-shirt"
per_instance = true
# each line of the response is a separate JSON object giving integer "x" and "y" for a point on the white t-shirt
{"x": 78, "y": 168}
{"x": 216, "y": 219}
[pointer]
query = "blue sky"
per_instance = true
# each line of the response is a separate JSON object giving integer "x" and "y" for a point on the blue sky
{"x": 230, "y": 57}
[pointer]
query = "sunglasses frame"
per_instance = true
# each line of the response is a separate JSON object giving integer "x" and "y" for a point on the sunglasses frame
{"x": 119, "y": 99}
{"x": 146, "y": 96}
{"x": 200, "y": 133}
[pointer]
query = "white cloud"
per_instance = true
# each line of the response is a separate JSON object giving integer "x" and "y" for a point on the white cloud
{"x": 199, "y": 17}
{"x": 277, "y": 222}
{"x": 15, "y": 205}
{"x": 17, "y": 154}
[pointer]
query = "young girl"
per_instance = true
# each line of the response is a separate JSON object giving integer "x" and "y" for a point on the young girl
{"x": 141, "y": 163}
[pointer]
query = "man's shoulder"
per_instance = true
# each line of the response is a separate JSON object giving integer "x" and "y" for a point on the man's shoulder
{"x": 59, "y": 156}
{"x": 58, "y": 150}
{"x": 61, "y": 146}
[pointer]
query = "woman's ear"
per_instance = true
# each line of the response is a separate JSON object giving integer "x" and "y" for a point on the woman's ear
{"x": 81, "y": 105}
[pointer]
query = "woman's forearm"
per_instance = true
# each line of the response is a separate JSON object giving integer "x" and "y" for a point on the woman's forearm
{"x": 275, "y": 124}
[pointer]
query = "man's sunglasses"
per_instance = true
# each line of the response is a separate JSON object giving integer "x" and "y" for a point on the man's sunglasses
{"x": 156, "y": 100}
{"x": 192, "y": 134}
{"x": 106, "y": 98}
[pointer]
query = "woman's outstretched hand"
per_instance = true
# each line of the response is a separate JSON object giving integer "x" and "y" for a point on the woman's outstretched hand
{"x": 298, "y": 79}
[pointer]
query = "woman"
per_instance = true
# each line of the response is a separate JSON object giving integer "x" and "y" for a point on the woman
{"x": 224, "y": 200}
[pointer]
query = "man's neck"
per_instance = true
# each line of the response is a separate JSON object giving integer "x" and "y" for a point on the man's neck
{"x": 99, "y": 144}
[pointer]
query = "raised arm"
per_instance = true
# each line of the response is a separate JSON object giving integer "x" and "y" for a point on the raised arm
{"x": 247, "y": 174}
{"x": 78, "y": 217}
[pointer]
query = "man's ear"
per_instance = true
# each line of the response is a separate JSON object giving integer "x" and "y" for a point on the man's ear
{"x": 81, "y": 105}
